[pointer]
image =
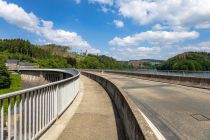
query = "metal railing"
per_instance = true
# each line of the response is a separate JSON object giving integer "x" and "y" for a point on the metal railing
{"x": 198, "y": 74}
{"x": 26, "y": 114}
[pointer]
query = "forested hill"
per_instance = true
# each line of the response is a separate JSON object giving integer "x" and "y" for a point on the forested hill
{"x": 54, "y": 56}
{"x": 194, "y": 61}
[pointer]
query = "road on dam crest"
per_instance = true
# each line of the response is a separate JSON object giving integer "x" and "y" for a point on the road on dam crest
{"x": 178, "y": 112}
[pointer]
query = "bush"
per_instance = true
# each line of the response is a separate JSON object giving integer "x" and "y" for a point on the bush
{"x": 5, "y": 80}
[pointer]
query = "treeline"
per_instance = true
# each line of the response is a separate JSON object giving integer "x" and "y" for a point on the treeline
{"x": 101, "y": 62}
{"x": 54, "y": 56}
{"x": 193, "y": 61}
{"x": 25, "y": 51}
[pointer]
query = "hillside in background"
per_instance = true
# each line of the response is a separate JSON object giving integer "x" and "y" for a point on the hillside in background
{"x": 54, "y": 56}
{"x": 194, "y": 61}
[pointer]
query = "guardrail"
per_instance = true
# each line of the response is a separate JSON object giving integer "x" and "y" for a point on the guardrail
{"x": 190, "y": 81}
{"x": 26, "y": 114}
{"x": 198, "y": 74}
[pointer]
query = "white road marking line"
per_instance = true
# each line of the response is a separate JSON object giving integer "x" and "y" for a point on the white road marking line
{"x": 153, "y": 127}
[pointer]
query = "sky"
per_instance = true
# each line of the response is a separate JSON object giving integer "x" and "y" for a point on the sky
{"x": 123, "y": 29}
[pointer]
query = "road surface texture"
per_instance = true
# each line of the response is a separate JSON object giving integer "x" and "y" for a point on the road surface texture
{"x": 95, "y": 116}
{"x": 178, "y": 112}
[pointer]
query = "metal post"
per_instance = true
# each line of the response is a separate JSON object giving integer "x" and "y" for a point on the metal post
{"x": 15, "y": 118}
{"x": 30, "y": 112}
{"x": 9, "y": 119}
{"x": 25, "y": 116}
{"x": 21, "y": 116}
{"x": 2, "y": 119}
{"x": 33, "y": 112}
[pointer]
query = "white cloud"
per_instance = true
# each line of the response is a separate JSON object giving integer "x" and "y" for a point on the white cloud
{"x": 104, "y": 9}
{"x": 185, "y": 13}
{"x": 129, "y": 53}
{"x": 16, "y": 15}
{"x": 154, "y": 38}
{"x": 47, "y": 24}
{"x": 109, "y": 2}
{"x": 159, "y": 27}
{"x": 118, "y": 23}
{"x": 204, "y": 25}
{"x": 77, "y": 1}
{"x": 173, "y": 12}
{"x": 200, "y": 47}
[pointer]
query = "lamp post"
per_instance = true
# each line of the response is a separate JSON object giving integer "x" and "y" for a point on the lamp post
{"x": 18, "y": 66}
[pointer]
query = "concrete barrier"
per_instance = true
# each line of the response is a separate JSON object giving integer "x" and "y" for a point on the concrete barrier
{"x": 185, "y": 81}
{"x": 135, "y": 126}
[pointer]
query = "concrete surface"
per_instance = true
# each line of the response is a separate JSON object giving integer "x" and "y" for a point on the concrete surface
{"x": 95, "y": 117}
{"x": 133, "y": 121}
{"x": 178, "y": 112}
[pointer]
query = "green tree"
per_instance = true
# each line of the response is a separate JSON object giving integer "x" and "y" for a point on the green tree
{"x": 194, "y": 61}
{"x": 4, "y": 76}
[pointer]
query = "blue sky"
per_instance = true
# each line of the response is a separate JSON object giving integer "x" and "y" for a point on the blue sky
{"x": 123, "y": 29}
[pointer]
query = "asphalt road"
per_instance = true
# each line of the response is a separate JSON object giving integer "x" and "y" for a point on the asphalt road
{"x": 178, "y": 112}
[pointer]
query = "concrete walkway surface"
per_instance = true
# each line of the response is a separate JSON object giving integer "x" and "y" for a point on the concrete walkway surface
{"x": 92, "y": 118}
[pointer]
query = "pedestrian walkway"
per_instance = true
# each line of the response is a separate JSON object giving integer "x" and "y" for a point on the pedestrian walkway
{"x": 94, "y": 117}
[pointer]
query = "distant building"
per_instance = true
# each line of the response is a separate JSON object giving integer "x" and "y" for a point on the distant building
{"x": 136, "y": 63}
{"x": 26, "y": 65}
{"x": 13, "y": 64}
{"x": 152, "y": 60}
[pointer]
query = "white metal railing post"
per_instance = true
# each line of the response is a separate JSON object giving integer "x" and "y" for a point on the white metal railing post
{"x": 48, "y": 106}
{"x": 2, "y": 119}
{"x": 51, "y": 103}
{"x": 56, "y": 106}
{"x": 43, "y": 113}
{"x": 29, "y": 116}
{"x": 40, "y": 109}
{"x": 37, "y": 112}
{"x": 33, "y": 112}
{"x": 35, "y": 109}
{"x": 21, "y": 116}
{"x": 47, "y": 90}
{"x": 15, "y": 118}
{"x": 58, "y": 93}
{"x": 9, "y": 119}
{"x": 25, "y": 116}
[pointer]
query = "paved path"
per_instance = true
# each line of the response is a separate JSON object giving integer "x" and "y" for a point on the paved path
{"x": 94, "y": 118}
{"x": 178, "y": 112}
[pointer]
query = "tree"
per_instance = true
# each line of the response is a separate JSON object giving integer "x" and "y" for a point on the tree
{"x": 55, "y": 56}
{"x": 193, "y": 61}
{"x": 5, "y": 80}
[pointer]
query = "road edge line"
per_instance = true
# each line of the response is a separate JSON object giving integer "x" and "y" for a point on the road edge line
{"x": 157, "y": 133}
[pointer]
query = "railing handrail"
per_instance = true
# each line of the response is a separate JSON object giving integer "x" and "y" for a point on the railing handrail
{"x": 3, "y": 96}
{"x": 35, "y": 109}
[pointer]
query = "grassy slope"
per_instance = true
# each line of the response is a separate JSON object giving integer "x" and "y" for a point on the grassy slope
{"x": 16, "y": 84}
